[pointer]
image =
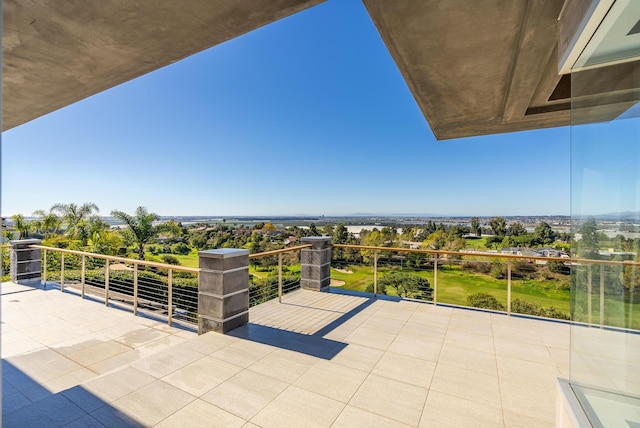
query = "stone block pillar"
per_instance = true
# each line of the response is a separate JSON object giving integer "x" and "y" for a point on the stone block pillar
{"x": 26, "y": 266}
{"x": 223, "y": 290}
{"x": 316, "y": 263}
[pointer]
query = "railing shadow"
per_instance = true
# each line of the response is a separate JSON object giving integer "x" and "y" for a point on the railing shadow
{"x": 26, "y": 403}
{"x": 315, "y": 344}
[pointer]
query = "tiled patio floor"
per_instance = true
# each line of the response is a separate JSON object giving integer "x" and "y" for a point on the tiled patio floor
{"x": 317, "y": 359}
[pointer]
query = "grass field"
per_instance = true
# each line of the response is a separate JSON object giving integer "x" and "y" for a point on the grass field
{"x": 454, "y": 285}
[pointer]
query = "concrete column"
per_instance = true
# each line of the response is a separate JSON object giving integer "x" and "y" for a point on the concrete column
{"x": 316, "y": 263}
{"x": 223, "y": 290}
{"x": 26, "y": 266}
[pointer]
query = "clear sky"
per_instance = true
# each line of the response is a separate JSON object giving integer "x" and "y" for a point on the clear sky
{"x": 308, "y": 115}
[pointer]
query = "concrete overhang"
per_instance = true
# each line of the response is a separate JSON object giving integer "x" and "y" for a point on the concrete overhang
{"x": 478, "y": 67}
{"x": 58, "y": 52}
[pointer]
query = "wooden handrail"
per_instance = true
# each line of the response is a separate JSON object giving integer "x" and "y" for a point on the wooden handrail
{"x": 119, "y": 259}
{"x": 280, "y": 251}
{"x": 572, "y": 260}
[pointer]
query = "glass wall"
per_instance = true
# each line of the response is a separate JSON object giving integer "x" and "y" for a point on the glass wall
{"x": 605, "y": 211}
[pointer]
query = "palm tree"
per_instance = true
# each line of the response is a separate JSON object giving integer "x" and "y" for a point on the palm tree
{"x": 73, "y": 216}
{"x": 21, "y": 226}
{"x": 498, "y": 225}
{"x": 47, "y": 222}
{"x": 141, "y": 229}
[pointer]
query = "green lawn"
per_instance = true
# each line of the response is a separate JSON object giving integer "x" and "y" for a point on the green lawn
{"x": 454, "y": 285}
{"x": 476, "y": 243}
{"x": 189, "y": 260}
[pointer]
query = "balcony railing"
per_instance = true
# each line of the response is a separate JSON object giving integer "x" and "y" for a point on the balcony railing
{"x": 607, "y": 283}
{"x": 504, "y": 283}
{"x": 274, "y": 273}
{"x": 159, "y": 288}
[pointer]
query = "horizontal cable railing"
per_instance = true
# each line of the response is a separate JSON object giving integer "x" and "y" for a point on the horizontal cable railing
{"x": 511, "y": 283}
{"x": 274, "y": 273}
{"x": 158, "y": 288}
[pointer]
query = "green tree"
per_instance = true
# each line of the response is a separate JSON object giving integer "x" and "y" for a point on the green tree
{"x": 340, "y": 234}
{"x": 516, "y": 229}
{"x": 21, "y": 226}
{"x": 313, "y": 230}
{"x": 141, "y": 228}
{"x": 544, "y": 234}
{"x": 499, "y": 226}
{"x": 46, "y": 222}
{"x": 405, "y": 285}
{"x": 589, "y": 244}
{"x": 475, "y": 226}
{"x": 74, "y": 217}
{"x": 436, "y": 241}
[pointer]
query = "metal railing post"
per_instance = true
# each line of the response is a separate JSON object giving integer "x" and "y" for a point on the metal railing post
{"x": 589, "y": 291}
{"x": 435, "y": 279}
{"x": 170, "y": 293}
{"x": 106, "y": 282}
{"x": 509, "y": 287}
{"x": 135, "y": 289}
{"x": 82, "y": 278}
{"x": 61, "y": 271}
{"x": 44, "y": 276}
{"x": 280, "y": 278}
{"x": 375, "y": 272}
{"x": 601, "y": 296}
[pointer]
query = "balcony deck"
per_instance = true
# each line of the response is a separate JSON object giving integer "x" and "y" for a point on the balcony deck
{"x": 317, "y": 359}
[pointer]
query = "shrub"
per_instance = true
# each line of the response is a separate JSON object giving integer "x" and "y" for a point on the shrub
{"x": 406, "y": 285}
{"x": 521, "y": 307}
{"x": 180, "y": 248}
{"x": 170, "y": 260}
{"x": 485, "y": 301}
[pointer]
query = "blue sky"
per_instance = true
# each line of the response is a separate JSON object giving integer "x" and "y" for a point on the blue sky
{"x": 308, "y": 115}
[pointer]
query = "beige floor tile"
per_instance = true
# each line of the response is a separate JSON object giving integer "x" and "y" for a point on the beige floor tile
{"x": 442, "y": 410}
{"x": 353, "y": 417}
{"x": 469, "y": 359}
{"x": 523, "y": 351}
{"x": 424, "y": 349}
{"x": 161, "y": 364}
{"x": 297, "y": 407}
{"x": 69, "y": 380}
{"x": 209, "y": 342}
{"x": 44, "y": 364}
{"x": 243, "y": 353}
{"x": 281, "y": 366}
{"x": 245, "y": 394}
{"x": 517, "y": 334}
{"x": 390, "y": 398}
{"x": 465, "y": 339}
{"x": 202, "y": 375}
{"x": 467, "y": 384}
{"x": 332, "y": 380}
{"x": 527, "y": 372}
{"x": 116, "y": 362}
{"x": 96, "y": 352}
{"x": 115, "y": 385}
{"x": 137, "y": 338}
{"x": 153, "y": 403}
{"x": 372, "y": 338}
{"x": 358, "y": 357}
{"x": 517, "y": 420}
{"x": 414, "y": 371}
{"x": 198, "y": 414}
{"x": 386, "y": 325}
{"x": 529, "y": 400}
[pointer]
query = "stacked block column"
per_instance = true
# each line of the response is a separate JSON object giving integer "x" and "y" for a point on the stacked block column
{"x": 223, "y": 290}
{"x": 26, "y": 266}
{"x": 316, "y": 263}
